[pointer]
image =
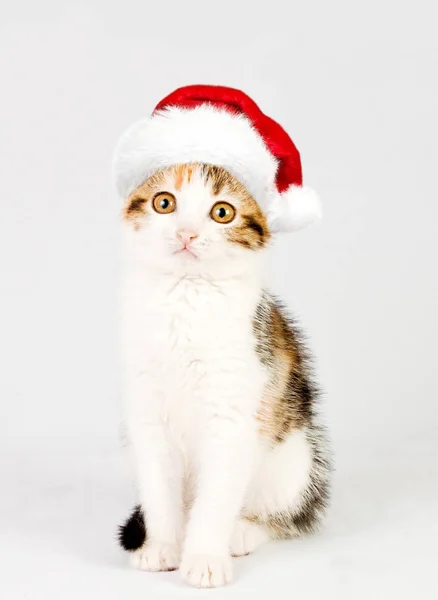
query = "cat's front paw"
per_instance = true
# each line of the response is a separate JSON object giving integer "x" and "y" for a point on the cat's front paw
{"x": 156, "y": 556}
{"x": 206, "y": 570}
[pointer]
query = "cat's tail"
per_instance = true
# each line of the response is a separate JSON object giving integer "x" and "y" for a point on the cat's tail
{"x": 132, "y": 534}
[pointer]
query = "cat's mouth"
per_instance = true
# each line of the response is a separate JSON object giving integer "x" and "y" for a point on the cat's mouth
{"x": 186, "y": 252}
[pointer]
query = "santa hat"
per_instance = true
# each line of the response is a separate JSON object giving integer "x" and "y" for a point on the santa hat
{"x": 224, "y": 127}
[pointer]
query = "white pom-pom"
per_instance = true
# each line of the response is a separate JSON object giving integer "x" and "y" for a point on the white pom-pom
{"x": 294, "y": 209}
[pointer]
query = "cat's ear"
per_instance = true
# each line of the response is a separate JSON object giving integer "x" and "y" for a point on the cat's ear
{"x": 294, "y": 209}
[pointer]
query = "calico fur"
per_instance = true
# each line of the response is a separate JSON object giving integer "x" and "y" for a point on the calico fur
{"x": 221, "y": 407}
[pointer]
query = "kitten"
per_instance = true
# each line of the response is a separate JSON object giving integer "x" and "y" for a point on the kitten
{"x": 220, "y": 404}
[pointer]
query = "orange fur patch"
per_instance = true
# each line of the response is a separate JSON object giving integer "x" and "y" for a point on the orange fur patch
{"x": 285, "y": 404}
{"x": 180, "y": 173}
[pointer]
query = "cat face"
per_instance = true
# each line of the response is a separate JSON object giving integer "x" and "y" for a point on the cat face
{"x": 194, "y": 218}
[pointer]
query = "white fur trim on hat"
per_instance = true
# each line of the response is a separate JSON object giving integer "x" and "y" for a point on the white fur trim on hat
{"x": 207, "y": 134}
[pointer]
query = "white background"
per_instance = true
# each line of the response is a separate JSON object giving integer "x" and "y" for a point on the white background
{"x": 355, "y": 84}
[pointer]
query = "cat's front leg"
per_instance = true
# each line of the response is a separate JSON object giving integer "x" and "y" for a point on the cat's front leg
{"x": 226, "y": 462}
{"x": 158, "y": 468}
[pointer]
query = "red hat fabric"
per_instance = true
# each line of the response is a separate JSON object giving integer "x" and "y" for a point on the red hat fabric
{"x": 222, "y": 126}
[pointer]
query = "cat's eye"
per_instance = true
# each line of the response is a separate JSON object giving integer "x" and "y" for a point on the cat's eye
{"x": 222, "y": 212}
{"x": 164, "y": 203}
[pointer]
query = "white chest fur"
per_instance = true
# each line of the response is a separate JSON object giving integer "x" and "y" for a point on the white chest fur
{"x": 189, "y": 350}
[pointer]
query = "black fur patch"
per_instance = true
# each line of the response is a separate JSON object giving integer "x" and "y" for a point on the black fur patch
{"x": 132, "y": 534}
{"x": 244, "y": 243}
{"x": 256, "y": 226}
{"x": 135, "y": 207}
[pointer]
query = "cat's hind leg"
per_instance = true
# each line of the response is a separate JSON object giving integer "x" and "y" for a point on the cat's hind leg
{"x": 289, "y": 494}
{"x": 247, "y": 536}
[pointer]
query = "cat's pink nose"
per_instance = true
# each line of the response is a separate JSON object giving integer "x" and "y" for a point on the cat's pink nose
{"x": 186, "y": 236}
